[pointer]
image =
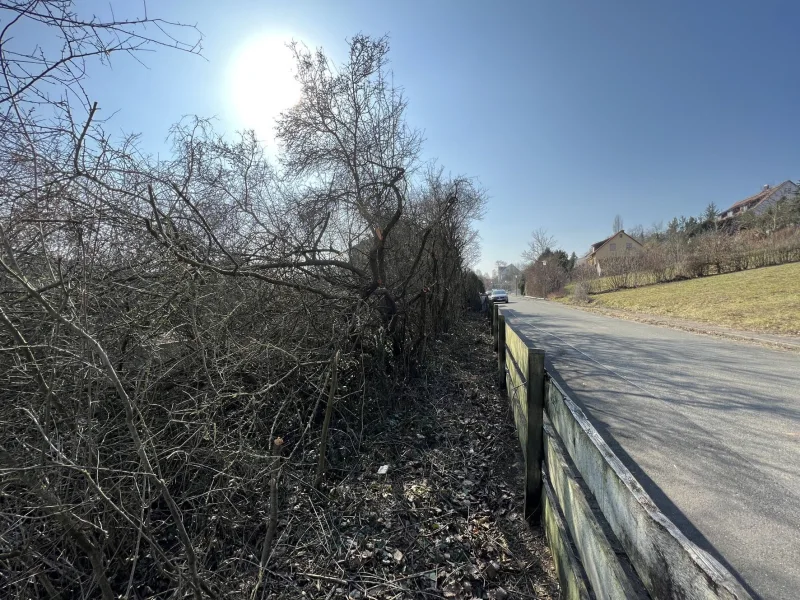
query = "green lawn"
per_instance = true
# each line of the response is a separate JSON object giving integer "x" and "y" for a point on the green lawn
{"x": 765, "y": 299}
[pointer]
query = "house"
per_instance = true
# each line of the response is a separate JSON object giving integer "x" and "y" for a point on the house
{"x": 760, "y": 202}
{"x": 508, "y": 275}
{"x": 616, "y": 246}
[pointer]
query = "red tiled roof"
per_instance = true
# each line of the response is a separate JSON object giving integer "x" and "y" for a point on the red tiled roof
{"x": 753, "y": 200}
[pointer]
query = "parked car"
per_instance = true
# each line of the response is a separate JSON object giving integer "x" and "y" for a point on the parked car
{"x": 499, "y": 296}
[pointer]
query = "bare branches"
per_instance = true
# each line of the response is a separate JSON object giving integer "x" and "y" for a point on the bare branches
{"x": 161, "y": 321}
{"x": 30, "y": 72}
{"x": 540, "y": 242}
{"x": 349, "y": 131}
{"x": 323, "y": 441}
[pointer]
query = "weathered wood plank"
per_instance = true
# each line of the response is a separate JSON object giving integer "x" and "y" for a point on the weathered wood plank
{"x": 609, "y": 573}
{"x": 495, "y": 313}
{"x": 518, "y": 347}
{"x": 515, "y": 389}
{"x": 525, "y": 386}
{"x": 534, "y": 446}
{"x": 568, "y": 569}
{"x": 501, "y": 350}
{"x": 516, "y": 383}
{"x": 668, "y": 563}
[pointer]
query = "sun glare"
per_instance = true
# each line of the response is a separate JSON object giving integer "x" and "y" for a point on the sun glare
{"x": 262, "y": 84}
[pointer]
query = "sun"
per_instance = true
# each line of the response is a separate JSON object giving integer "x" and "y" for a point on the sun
{"x": 262, "y": 83}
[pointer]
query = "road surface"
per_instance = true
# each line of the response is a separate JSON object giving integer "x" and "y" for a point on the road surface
{"x": 710, "y": 427}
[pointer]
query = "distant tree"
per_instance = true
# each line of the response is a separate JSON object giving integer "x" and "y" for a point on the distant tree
{"x": 540, "y": 241}
{"x": 558, "y": 257}
{"x": 656, "y": 231}
{"x": 710, "y": 213}
{"x": 544, "y": 277}
{"x": 794, "y": 210}
{"x": 637, "y": 232}
{"x": 573, "y": 260}
{"x": 548, "y": 273}
{"x": 673, "y": 227}
{"x": 784, "y": 213}
{"x": 499, "y": 275}
{"x": 708, "y": 220}
{"x": 693, "y": 227}
{"x": 519, "y": 279}
{"x": 618, "y": 225}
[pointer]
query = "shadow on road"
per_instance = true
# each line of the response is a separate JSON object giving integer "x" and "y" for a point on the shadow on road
{"x": 715, "y": 435}
{"x": 658, "y": 496}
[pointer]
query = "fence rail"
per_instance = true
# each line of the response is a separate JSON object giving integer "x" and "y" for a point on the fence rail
{"x": 608, "y": 538}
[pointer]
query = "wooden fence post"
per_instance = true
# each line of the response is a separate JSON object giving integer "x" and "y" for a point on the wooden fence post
{"x": 495, "y": 314}
{"x": 534, "y": 443}
{"x": 501, "y": 351}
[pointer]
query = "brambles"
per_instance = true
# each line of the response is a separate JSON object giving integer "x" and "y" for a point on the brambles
{"x": 162, "y": 320}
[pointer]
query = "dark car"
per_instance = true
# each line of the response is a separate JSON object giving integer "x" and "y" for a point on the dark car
{"x": 498, "y": 296}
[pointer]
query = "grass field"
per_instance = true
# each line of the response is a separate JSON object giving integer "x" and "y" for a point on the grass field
{"x": 765, "y": 299}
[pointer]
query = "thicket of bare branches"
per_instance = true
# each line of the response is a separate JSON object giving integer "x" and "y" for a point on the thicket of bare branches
{"x": 167, "y": 327}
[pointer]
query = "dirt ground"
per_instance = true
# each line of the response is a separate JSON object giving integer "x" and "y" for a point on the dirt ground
{"x": 430, "y": 504}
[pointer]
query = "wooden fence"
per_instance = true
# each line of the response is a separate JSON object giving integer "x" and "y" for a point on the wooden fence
{"x": 608, "y": 538}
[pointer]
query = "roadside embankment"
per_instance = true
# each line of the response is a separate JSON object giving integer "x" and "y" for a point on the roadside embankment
{"x": 763, "y": 301}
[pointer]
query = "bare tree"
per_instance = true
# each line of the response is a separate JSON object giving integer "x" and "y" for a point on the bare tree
{"x": 637, "y": 232}
{"x": 617, "y": 225}
{"x": 540, "y": 241}
{"x": 348, "y": 138}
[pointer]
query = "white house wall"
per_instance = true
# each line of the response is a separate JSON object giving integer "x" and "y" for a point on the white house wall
{"x": 786, "y": 190}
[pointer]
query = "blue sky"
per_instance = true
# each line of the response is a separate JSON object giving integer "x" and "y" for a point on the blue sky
{"x": 568, "y": 112}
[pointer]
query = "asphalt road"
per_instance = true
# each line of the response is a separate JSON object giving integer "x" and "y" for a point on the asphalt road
{"x": 710, "y": 427}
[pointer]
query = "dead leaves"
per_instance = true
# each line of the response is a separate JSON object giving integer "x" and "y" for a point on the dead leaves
{"x": 432, "y": 508}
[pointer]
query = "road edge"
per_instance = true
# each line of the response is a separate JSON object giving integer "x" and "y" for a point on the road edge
{"x": 746, "y": 337}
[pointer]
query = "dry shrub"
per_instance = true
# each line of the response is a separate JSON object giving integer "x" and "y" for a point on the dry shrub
{"x": 580, "y": 292}
{"x": 543, "y": 280}
{"x": 164, "y": 321}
